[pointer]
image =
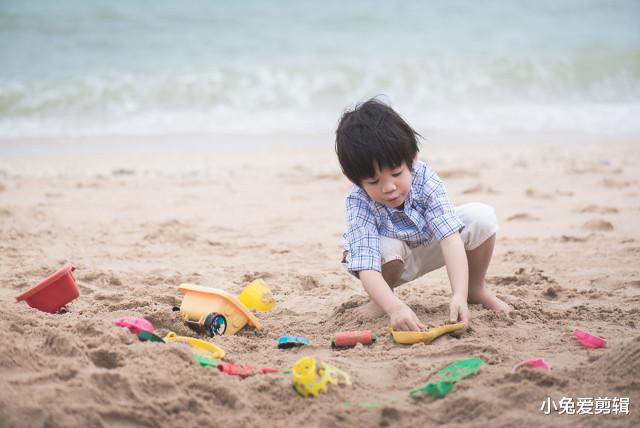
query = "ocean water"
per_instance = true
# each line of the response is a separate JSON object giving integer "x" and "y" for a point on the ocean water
{"x": 82, "y": 67}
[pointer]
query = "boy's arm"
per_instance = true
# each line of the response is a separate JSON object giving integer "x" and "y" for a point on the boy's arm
{"x": 401, "y": 315}
{"x": 455, "y": 258}
{"x": 362, "y": 242}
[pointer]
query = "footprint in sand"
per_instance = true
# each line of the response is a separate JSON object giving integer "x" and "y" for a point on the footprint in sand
{"x": 598, "y": 209}
{"x": 536, "y": 194}
{"x": 581, "y": 170}
{"x": 634, "y": 284}
{"x": 122, "y": 171}
{"x": 172, "y": 231}
{"x": 594, "y": 168}
{"x": 106, "y": 359}
{"x": 522, "y": 276}
{"x": 250, "y": 276}
{"x": 456, "y": 173}
{"x": 99, "y": 279}
{"x": 615, "y": 184}
{"x": 308, "y": 282}
{"x": 90, "y": 185}
{"x": 522, "y": 217}
{"x": 279, "y": 251}
{"x": 552, "y": 292}
{"x": 598, "y": 224}
{"x": 570, "y": 238}
{"x": 479, "y": 188}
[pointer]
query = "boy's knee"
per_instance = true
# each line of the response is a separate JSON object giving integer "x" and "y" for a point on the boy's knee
{"x": 392, "y": 249}
{"x": 485, "y": 217}
{"x": 480, "y": 223}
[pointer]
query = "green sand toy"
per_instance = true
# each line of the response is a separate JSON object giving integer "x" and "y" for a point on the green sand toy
{"x": 447, "y": 377}
{"x": 206, "y": 361}
{"x": 147, "y": 336}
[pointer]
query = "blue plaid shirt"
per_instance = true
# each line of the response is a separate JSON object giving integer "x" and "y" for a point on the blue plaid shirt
{"x": 427, "y": 215}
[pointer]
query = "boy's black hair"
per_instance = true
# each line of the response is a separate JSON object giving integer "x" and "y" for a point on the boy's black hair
{"x": 373, "y": 133}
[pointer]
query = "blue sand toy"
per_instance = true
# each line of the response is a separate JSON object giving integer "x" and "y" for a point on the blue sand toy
{"x": 286, "y": 342}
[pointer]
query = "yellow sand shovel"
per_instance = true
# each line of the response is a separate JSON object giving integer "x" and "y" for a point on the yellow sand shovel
{"x": 411, "y": 337}
{"x": 208, "y": 348}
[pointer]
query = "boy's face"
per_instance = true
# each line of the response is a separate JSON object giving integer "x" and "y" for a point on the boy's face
{"x": 389, "y": 186}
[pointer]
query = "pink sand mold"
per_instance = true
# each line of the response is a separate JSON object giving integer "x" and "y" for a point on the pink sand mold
{"x": 589, "y": 340}
{"x": 532, "y": 362}
{"x": 134, "y": 324}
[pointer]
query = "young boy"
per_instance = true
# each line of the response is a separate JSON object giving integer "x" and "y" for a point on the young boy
{"x": 401, "y": 224}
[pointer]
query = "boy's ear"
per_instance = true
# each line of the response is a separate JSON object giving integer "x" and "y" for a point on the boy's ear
{"x": 415, "y": 159}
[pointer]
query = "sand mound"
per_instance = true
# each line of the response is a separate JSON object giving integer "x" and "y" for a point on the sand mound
{"x": 522, "y": 217}
{"x": 601, "y": 225}
{"x": 621, "y": 366}
{"x": 597, "y": 209}
{"x": 537, "y": 194}
{"x": 480, "y": 188}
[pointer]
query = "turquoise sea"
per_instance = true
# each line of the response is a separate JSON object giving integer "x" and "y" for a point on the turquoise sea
{"x": 82, "y": 67}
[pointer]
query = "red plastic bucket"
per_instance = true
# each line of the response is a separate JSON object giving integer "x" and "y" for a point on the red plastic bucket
{"x": 54, "y": 292}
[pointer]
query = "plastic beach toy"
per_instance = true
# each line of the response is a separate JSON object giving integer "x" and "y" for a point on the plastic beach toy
{"x": 134, "y": 324}
{"x": 533, "y": 362}
{"x": 237, "y": 370}
{"x": 210, "y": 349}
{"x": 257, "y": 295}
{"x": 589, "y": 340}
{"x": 244, "y": 371}
{"x": 411, "y": 337}
{"x": 445, "y": 379}
{"x": 286, "y": 342}
{"x": 205, "y": 361}
{"x": 350, "y": 338}
{"x": 213, "y": 324}
{"x": 201, "y": 302}
{"x": 311, "y": 377}
{"x": 54, "y": 292}
{"x": 147, "y": 336}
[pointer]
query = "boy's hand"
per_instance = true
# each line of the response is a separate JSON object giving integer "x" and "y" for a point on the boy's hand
{"x": 404, "y": 319}
{"x": 459, "y": 311}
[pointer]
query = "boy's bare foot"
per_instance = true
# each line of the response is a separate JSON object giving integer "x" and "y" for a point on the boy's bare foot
{"x": 490, "y": 301}
{"x": 369, "y": 310}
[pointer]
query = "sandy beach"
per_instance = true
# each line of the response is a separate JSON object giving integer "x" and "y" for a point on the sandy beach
{"x": 140, "y": 218}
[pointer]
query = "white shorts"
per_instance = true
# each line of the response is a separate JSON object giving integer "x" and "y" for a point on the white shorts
{"x": 480, "y": 224}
